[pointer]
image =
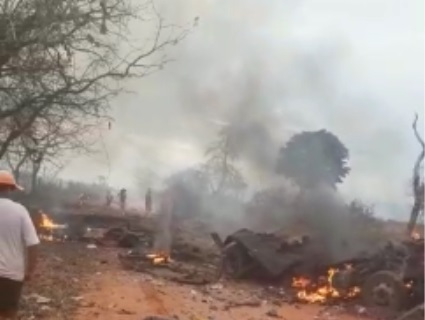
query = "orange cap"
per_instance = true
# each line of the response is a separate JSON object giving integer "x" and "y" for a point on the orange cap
{"x": 7, "y": 179}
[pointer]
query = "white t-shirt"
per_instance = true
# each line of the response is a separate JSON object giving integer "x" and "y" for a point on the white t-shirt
{"x": 17, "y": 232}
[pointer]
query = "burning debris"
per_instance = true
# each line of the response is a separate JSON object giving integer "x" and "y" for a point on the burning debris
{"x": 246, "y": 253}
{"x": 390, "y": 277}
{"x": 159, "y": 258}
{"x": 49, "y": 230}
{"x": 46, "y": 222}
{"x": 124, "y": 238}
{"x": 323, "y": 290}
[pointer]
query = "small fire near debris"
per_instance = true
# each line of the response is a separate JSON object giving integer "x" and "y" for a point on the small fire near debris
{"x": 159, "y": 258}
{"x": 47, "y": 227}
{"x": 322, "y": 290}
{"x": 415, "y": 235}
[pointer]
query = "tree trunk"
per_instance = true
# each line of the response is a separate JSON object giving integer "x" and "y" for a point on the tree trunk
{"x": 418, "y": 207}
{"x": 17, "y": 169}
{"x": 34, "y": 174}
{"x": 417, "y": 186}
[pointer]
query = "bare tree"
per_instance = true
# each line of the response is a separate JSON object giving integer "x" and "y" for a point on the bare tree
{"x": 72, "y": 54}
{"x": 220, "y": 165}
{"x": 417, "y": 182}
{"x": 49, "y": 139}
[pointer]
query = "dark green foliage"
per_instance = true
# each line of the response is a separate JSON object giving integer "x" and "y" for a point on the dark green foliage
{"x": 313, "y": 158}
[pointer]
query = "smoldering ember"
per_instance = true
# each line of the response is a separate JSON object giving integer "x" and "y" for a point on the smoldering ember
{"x": 207, "y": 160}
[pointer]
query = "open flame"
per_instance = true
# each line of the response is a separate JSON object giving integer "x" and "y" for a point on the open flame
{"x": 48, "y": 223}
{"x": 47, "y": 227}
{"x": 415, "y": 235}
{"x": 321, "y": 291}
{"x": 159, "y": 258}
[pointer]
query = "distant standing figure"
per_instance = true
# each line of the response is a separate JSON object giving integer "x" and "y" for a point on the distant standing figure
{"x": 109, "y": 199}
{"x": 123, "y": 198}
{"x": 148, "y": 201}
{"x": 83, "y": 199}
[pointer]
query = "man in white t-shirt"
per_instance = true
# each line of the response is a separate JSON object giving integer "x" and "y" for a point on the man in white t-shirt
{"x": 18, "y": 248}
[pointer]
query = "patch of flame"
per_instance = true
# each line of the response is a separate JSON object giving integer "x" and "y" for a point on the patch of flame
{"x": 310, "y": 292}
{"x": 159, "y": 258}
{"x": 48, "y": 226}
{"x": 48, "y": 223}
{"x": 415, "y": 235}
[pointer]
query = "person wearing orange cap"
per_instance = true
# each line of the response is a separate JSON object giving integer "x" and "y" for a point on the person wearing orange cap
{"x": 18, "y": 247}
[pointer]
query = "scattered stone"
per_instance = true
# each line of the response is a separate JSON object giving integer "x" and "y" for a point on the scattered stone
{"x": 39, "y": 299}
{"x": 90, "y": 304}
{"x": 45, "y": 308}
{"x": 78, "y": 298}
{"x": 272, "y": 313}
{"x": 125, "y": 311}
{"x": 277, "y": 303}
{"x": 217, "y": 286}
{"x": 361, "y": 310}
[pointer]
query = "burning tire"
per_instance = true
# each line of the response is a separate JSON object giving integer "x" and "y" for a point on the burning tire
{"x": 384, "y": 289}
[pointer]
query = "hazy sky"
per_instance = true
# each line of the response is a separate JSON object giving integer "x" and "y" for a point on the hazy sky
{"x": 354, "y": 67}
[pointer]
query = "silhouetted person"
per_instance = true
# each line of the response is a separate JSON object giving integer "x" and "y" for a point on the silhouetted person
{"x": 123, "y": 198}
{"x": 82, "y": 200}
{"x": 148, "y": 200}
{"x": 109, "y": 199}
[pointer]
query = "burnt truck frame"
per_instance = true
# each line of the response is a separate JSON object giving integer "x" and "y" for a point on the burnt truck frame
{"x": 391, "y": 277}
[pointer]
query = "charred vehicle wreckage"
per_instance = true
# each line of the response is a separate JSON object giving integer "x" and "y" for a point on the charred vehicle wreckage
{"x": 391, "y": 276}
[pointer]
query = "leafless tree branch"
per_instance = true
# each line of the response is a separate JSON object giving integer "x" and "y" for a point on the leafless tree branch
{"x": 417, "y": 182}
{"x": 74, "y": 54}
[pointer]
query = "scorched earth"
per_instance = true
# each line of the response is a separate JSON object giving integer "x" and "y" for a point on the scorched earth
{"x": 81, "y": 282}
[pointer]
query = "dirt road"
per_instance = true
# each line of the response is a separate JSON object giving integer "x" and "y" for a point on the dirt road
{"x": 115, "y": 294}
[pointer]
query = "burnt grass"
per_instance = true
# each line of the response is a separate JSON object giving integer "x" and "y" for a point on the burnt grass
{"x": 60, "y": 278}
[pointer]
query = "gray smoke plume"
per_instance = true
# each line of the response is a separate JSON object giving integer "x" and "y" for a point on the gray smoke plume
{"x": 272, "y": 69}
{"x": 164, "y": 228}
{"x": 327, "y": 218}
